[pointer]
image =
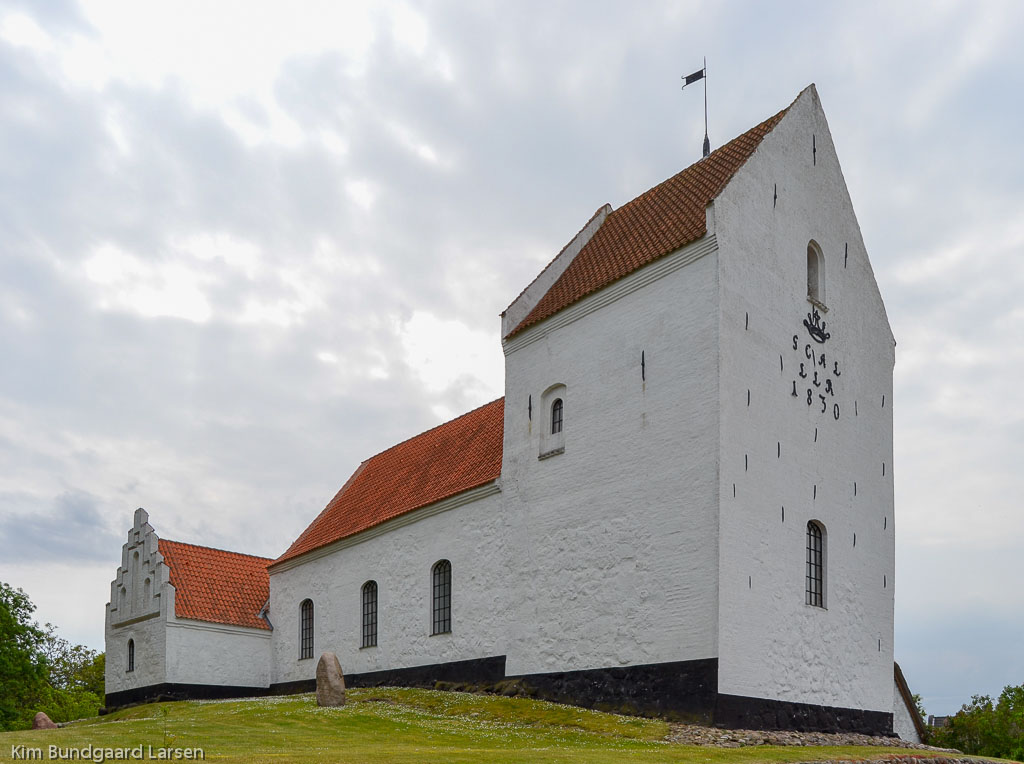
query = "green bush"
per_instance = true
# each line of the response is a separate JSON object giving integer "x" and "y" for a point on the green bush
{"x": 984, "y": 728}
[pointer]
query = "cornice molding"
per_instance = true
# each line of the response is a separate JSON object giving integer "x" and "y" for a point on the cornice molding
{"x": 615, "y": 291}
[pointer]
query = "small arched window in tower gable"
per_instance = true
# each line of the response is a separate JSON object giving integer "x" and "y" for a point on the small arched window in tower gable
{"x": 815, "y": 588}
{"x": 370, "y": 614}
{"x": 815, "y": 274}
{"x": 552, "y": 436}
{"x": 131, "y": 655}
{"x": 441, "y": 576}
{"x": 306, "y": 629}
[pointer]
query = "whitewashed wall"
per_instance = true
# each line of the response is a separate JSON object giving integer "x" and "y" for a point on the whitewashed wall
{"x": 209, "y": 653}
{"x": 902, "y": 721}
{"x": 779, "y": 452}
{"x": 615, "y": 538}
{"x": 473, "y": 537}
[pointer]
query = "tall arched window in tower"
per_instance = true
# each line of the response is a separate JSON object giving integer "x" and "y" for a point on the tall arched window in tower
{"x": 370, "y": 614}
{"x": 815, "y": 564}
{"x": 815, "y": 274}
{"x": 131, "y": 655}
{"x": 306, "y": 629}
{"x": 442, "y": 588}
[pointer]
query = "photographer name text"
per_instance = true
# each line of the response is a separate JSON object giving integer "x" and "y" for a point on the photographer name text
{"x": 98, "y": 754}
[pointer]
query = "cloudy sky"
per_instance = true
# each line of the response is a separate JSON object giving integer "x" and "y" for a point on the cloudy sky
{"x": 243, "y": 246}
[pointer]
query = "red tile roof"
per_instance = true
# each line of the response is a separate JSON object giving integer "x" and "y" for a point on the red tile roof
{"x": 217, "y": 586}
{"x": 656, "y": 223}
{"x": 454, "y": 457}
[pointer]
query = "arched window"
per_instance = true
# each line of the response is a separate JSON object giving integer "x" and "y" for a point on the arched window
{"x": 442, "y": 586}
{"x": 370, "y": 614}
{"x": 815, "y": 274}
{"x": 815, "y": 564}
{"x": 131, "y": 655}
{"x": 306, "y": 629}
{"x": 552, "y": 431}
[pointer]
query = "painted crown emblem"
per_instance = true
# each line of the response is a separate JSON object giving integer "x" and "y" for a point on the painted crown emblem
{"x": 816, "y": 327}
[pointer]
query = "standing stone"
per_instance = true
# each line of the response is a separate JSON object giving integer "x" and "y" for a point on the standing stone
{"x": 330, "y": 682}
{"x": 43, "y": 722}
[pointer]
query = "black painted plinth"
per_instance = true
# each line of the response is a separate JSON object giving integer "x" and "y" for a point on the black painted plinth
{"x": 476, "y": 671}
{"x": 679, "y": 690}
{"x": 158, "y": 693}
{"x": 738, "y": 712}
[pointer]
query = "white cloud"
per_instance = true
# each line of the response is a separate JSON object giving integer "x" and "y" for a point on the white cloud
{"x": 447, "y": 353}
{"x": 129, "y": 283}
{"x": 23, "y": 31}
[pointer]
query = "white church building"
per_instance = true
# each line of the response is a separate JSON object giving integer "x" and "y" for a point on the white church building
{"x": 682, "y": 506}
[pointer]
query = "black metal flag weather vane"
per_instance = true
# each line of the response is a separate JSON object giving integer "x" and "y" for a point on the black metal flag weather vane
{"x": 689, "y": 79}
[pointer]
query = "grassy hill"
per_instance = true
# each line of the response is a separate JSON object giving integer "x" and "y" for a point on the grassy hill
{"x": 400, "y": 725}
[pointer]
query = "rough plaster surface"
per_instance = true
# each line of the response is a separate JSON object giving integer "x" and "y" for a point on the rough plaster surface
{"x": 902, "y": 721}
{"x": 772, "y": 644}
{"x": 614, "y": 537}
{"x": 208, "y": 653}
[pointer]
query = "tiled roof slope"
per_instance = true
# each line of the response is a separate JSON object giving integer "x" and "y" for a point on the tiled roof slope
{"x": 217, "y": 586}
{"x": 453, "y": 457}
{"x": 656, "y": 223}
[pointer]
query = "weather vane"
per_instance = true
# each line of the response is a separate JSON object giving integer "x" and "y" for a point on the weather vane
{"x": 701, "y": 74}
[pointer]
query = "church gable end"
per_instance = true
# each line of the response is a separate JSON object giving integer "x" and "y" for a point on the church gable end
{"x": 136, "y": 590}
{"x": 656, "y": 223}
{"x": 805, "y": 395}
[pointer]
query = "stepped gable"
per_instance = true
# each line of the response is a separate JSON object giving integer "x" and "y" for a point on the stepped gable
{"x": 656, "y": 223}
{"x": 451, "y": 458}
{"x": 217, "y": 586}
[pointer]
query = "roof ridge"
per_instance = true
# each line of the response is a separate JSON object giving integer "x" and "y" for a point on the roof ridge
{"x": 774, "y": 118}
{"x": 668, "y": 216}
{"x": 448, "y": 459}
{"x": 553, "y": 259}
{"x": 215, "y": 549}
{"x": 309, "y": 529}
{"x": 431, "y": 429}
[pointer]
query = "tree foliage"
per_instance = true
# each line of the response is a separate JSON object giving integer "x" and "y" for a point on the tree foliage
{"x": 985, "y": 728}
{"x": 23, "y": 671}
{"x": 41, "y": 671}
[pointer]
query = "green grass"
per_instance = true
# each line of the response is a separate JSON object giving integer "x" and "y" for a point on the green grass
{"x": 403, "y": 725}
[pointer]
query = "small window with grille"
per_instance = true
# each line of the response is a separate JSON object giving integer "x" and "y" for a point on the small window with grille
{"x": 556, "y": 416}
{"x": 370, "y": 614}
{"x": 815, "y": 565}
{"x": 131, "y": 655}
{"x": 306, "y": 629}
{"x": 442, "y": 586}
